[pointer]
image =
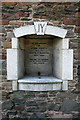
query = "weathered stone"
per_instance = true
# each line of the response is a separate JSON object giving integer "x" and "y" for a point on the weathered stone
{"x": 8, "y": 7}
{"x": 16, "y": 22}
{"x": 36, "y": 15}
{"x": 11, "y": 11}
{"x": 39, "y": 15}
{"x": 13, "y": 17}
{"x": 23, "y": 115}
{"x": 25, "y": 18}
{"x": 43, "y": 95}
{"x": 29, "y": 23}
{"x": 26, "y": 14}
{"x": 40, "y": 115}
{"x": 67, "y": 94}
{"x": 32, "y": 103}
{"x": 6, "y": 44}
{"x": 19, "y": 101}
{"x": 36, "y": 109}
{"x": 2, "y": 29}
{"x": 42, "y": 104}
{"x": 71, "y": 21}
{"x": 31, "y": 109}
{"x": 9, "y": 3}
{"x": 3, "y": 72}
{"x": 40, "y": 9}
{"x": 30, "y": 95}
{"x": 74, "y": 45}
{"x": 33, "y": 117}
{"x": 4, "y": 84}
{"x": 69, "y": 105}
{"x": 7, "y": 105}
{"x": 5, "y": 117}
{"x": 37, "y": 116}
{"x": 26, "y": 10}
{"x": 70, "y": 34}
{"x": 12, "y": 112}
{"x": 17, "y": 94}
{"x": 19, "y": 107}
{"x": 10, "y": 35}
{"x": 53, "y": 107}
{"x": 3, "y": 57}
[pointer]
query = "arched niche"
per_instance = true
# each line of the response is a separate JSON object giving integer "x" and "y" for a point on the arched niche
{"x": 40, "y": 58}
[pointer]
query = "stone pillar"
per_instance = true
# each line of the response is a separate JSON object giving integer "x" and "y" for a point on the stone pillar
{"x": 15, "y": 63}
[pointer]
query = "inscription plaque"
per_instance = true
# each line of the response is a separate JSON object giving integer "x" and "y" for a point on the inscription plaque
{"x": 38, "y": 57}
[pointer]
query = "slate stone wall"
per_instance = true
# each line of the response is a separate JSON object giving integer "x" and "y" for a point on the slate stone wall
{"x": 39, "y": 105}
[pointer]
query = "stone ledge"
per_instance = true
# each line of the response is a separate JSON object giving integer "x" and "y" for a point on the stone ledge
{"x": 42, "y": 79}
{"x": 39, "y": 87}
{"x": 40, "y": 84}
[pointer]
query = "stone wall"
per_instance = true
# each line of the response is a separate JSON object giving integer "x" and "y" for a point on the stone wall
{"x": 40, "y": 104}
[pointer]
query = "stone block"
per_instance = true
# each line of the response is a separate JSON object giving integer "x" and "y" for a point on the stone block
{"x": 2, "y": 29}
{"x": 26, "y": 30}
{"x": 37, "y": 116}
{"x": 65, "y": 85}
{"x": 40, "y": 9}
{"x": 65, "y": 44}
{"x": 6, "y": 44}
{"x": 71, "y": 21}
{"x": 4, "y": 22}
{"x": 12, "y": 65}
{"x": 67, "y": 64}
{"x": 10, "y": 35}
{"x": 15, "y": 43}
{"x": 3, "y": 56}
{"x": 69, "y": 105}
{"x": 7, "y": 105}
{"x": 16, "y": 22}
{"x": 19, "y": 107}
{"x": 9, "y": 4}
{"x": 54, "y": 107}
{"x": 14, "y": 85}
{"x": 56, "y": 31}
{"x": 15, "y": 64}
{"x": 17, "y": 95}
{"x": 31, "y": 103}
{"x": 63, "y": 59}
{"x": 39, "y": 87}
{"x": 57, "y": 63}
{"x": 60, "y": 43}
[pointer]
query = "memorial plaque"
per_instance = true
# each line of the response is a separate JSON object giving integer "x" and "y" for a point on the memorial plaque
{"x": 38, "y": 57}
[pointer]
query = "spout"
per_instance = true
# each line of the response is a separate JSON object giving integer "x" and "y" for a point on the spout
{"x": 39, "y": 77}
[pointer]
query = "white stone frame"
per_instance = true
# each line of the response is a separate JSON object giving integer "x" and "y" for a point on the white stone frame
{"x": 15, "y": 66}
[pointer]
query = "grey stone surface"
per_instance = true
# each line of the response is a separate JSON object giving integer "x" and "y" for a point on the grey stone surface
{"x": 10, "y": 35}
{"x": 32, "y": 103}
{"x": 2, "y": 29}
{"x": 67, "y": 94}
{"x": 17, "y": 94}
{"x": 36, "y": 109}
{"x": 19, "y": 101}
{"x": 38, "y": 57}
{"x": 40, "y": 9}
{"x": 54, "y": 107}
{"x": 37, "y": 116}
{"x": 12, "y": 112}
{"x": 7, "y": 105}
{"x": 69, "y": 105}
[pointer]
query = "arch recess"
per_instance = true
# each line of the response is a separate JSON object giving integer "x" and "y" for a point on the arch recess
{"x": 34, "y": 29}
